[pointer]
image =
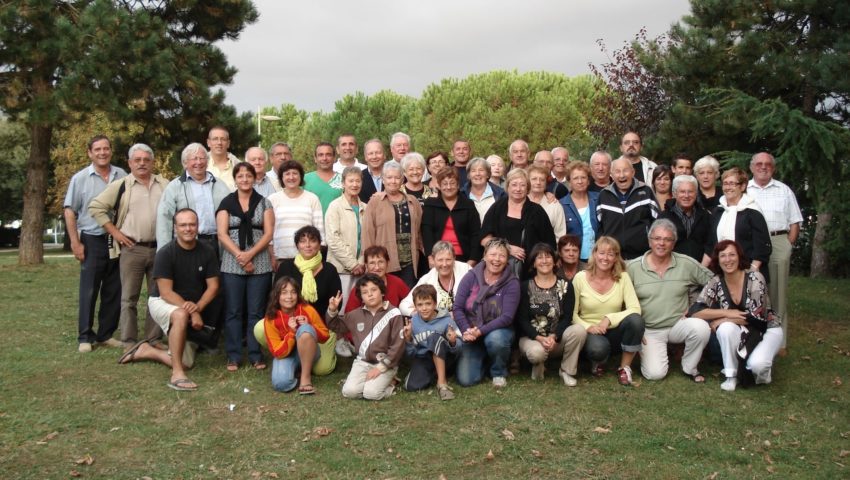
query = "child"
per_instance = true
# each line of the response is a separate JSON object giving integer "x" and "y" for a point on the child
{"x": 293, "y": 331}
{"x": 431, "y": 336}
{"x": 376, "y": 329}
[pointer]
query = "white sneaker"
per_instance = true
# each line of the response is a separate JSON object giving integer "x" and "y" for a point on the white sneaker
{"x": 537, "y": 371}
{"x": 85, "y": 347}
{"x": 764, "y": 376}
{"x": 344, "y": 348}
{"x": 568, "y": 379}
{"x": 729, "y": 384}
{"x": 500, "y": 382}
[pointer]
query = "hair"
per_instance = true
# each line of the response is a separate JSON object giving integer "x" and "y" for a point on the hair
{"x": 556, "y": 149}
{"x": 273, "y": 305}
{"x": 480, "y": 162}
{"x": 189, "y": 150}
{"x": 401, "y": 135}
{"x": 290, "y": 165}
{"x": 448, "y": 172}
{"x": 772, "y": 159}
{"x": 438, "y": 153}
{"x": 743, "y": 262}
{"x": 244, "y": 166}
{"x": 461, "y": 140}
{"x": 579, "y": 165}
{"x": 537, "y": 250}
{"x": 682, "y": 156}
{"x": 518, "y": 172}
{"x": 323, "y": 144}
{"x": 537, "y": 169}
{"x": 736, "y": 172}
{"x": 376, "y": 251}
{"x": 352, "y": 170}
{"x": 339, "y": 138}
{"x": 307, "y": 231}
{"x": 619, "y": 264}
{"x": 603, "y": 154}
{"x": 661, "y": 170}
{"x": 542, "y": 152}
{"x": 424, "y": 292}
{"x": 680, "y": 179}
{"x": 97, "y": 138}
{"x": 182, "y": 210}
{"x": 569, "y": 239}
{"x": 519, "y": 140}
{"x": 392, "y": 165}
{"x": 219, "y": 127}
{"x": 265, "y": 155}
{"x": 136, "y": 147}
{"x": 707, "y": 162}
{"x": 497, "y": 242}
{"x": 633, "y": 132}
{"x": 411, "y": 157}
{"x": 665, "y": 224}
{"x": 442, "y": 246}
{"x": 279, "y": 144}
{"x": 372, "y": 140}
{"x": 369, "y": 278}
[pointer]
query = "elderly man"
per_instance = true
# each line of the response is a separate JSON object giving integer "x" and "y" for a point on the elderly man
{"x": 279, "y": 152}
{"x": 560, "y": 160}
{"x": 545, "y": 160}
{"x": 98, "y": 272}
{"x": 256, "y": 156}
{"x": 692, "y": 222}
{"x": 625, "y": 210}
{"x": 186, "y": 273}
{"x": 324, "y": 182}
{"x": 126, "y": 209}
{"x": 461, "y": 153}
{"x": 600, "y": 170}
{"x": 346, "y": 149}
{"x": 682, "y": 165}
{"x": 630, "y": 147}
{"x": 399, "y": 145}
{"x": 782, "y": 213}
{"x": 372, "y": 183}
{"x": 221, "y": 161}
{"x": 518, "y": 153}
{"x": 663, "y": 280}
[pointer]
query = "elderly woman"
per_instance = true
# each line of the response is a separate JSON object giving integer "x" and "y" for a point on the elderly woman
{"x": 569, "y": 263}
{"x": 484, "y": 309}
{"x": 707, "y": 171}
{"x": 515, "y": 218}
{"x": 692, "y": 222}
{"x": 445, "y": 277}
{"x": 739, "y": 218}
{"x": 342, "y": 225}
{"x": 580, "y": 207}
{"x": 537, "y": 179}
{"x": 736, "y": 304}
{"x": 607, "y": 307}
{"x": 413, "y": 166}
{"x": 497, "y": 170}
{"x": 294, "y": 208}
{"x": 545, "y": 318}
{"x": 395, "y": 218}
{"x": 662, "y": 178}
{"x": 479, "y": 189}
{"x": 453, "y": 218}
{"x": 435, "y": 162}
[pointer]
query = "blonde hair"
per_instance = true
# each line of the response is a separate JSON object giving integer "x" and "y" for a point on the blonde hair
{"x": 619, "y": 265}
{"x": 518, "y": 172}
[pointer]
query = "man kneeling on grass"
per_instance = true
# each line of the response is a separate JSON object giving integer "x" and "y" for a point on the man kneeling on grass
{"x": 376, "y": 329}
{"x": 186, "y": 274}
{"x": 432, "y": 337}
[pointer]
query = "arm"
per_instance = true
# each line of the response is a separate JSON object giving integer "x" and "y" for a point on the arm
{"x": 336, "y": 245}
{"x": 523, "y": 315}
{"x": 164, "y": 213}
{"x": 322, "y": 332}
{"x": 629, "y": 299}
{"x": 280, "y": 346}
{"x": 793, "y": 233}
{"x": 431, "y": 232}
{"x": 458, "y": 310}
{"x": 73, "y": 235}
{"x": 510, "y": 302}
{"x": 760, "y": 237}
{"x": 578, "y": 285}
{"x": 567, "y": 308}
{"x": 319, "y": 219}
{"x": 222, "y": 223}
{"x": 395, "y": 352}
{"x": 268, "y": 231}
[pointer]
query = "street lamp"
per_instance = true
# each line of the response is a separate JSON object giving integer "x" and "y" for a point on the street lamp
{"x": 260, "y": 118}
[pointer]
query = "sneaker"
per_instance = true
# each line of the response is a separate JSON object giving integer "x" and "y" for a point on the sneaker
{"x": 111, "y": 342}
{"x": 624, "y": 376}
{"x": 597, "y": 369}
{"x": 729, "y": 384}
{"x": 500, "y": 382}
{"x": 445, "y": 392}
{"x": 344, "y": 348}
{"x": 763, "y": 377}
{"x": 85, "y": 347}
{"x": 537, "y": 371}
{"x": 568, "y": 379}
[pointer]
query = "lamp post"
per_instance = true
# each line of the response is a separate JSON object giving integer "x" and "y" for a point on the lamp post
{"x": 260, "y": 118}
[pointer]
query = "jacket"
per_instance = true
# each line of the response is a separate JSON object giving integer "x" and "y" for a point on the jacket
{"x": 697, "y": 243}
{"x": 537, "y": 226}
{"x": 367, "y": 187}
{"x": 280, "y": 337}
{"x": 432, "y": 278}
{"x": 387, "y": 349}
{"x": 379, "y": 229}
{"x": 178, "y": 195}
{"x": 487, "y": 307}
{"x": 628, "y": 224}
{"x": 341, "y": 227}
{"x": 574, "y": 225}
{"x": 532, "y": 319}
{"x": 464, "y": 216}
{"x": 750, "y": 232}
{"x": 421, "y": 330}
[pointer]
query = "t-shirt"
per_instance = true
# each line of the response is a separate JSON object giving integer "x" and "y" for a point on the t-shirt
{"x": 326, "y": 191}
{"x": 188, "y": 269}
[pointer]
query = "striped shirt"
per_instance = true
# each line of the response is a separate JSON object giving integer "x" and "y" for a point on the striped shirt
{"x": 290, "y": 214}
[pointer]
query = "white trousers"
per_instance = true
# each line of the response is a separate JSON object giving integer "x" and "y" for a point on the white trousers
{"x": 356, "y": 385}
{"x": 760, "y": 360}
{"x": 693, "y": 332}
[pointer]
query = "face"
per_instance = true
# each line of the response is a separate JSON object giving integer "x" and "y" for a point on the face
{"x": 141, "y": 164}
{"x": 426, "y": 307}
{"x": 374, "y": 153}
{"x": 728, "y": 259}
{"x": 307, "y": 247}
{"x": 623, "y": 173}
{"x": 538, "y": 182}
{"x": 186, "y": 226}
{"x": 324, "y": 157}
{"x": 544, "y": 264}
{"x": 661, "y": 242}
{"x": 686, "y": 195}
{"x": 630, "y": 145}
{"x": 414, "y": 173}
{"x": 371, "y": 295}
{"x": 392, "y": 180}
{"x": 288, "y": 298}
{"x": 280, "y": 154}
{"x": 560, "y": 159}
{"x": 662, "y": 184}
{"x": 436, "y": 164}
{"x": 545, "y": 160}
{"x": 569, "y": 254}
{"x": 682, "y": 166}
{"x": 218, "y": 142}
{"x": 600, "y": 168}
{"x": 496, "y": 259}
{"x": 605, "y": 257}
{"x": 100, "y": 153}
{"x": 477, "y": 176}
{"x": 245, "y": 180}
{"x": 449, "y": 188}
{"x": 497, "y": 167}
{"x": 352, "y": 184}
{"x": 461, "y": 152}
{"x": 257, "y": 158}
{"x": 519, "y": 154}
{"x": 377, "y": 265}
{"x": 762, "y": 168}
{"x": 732, "y": 189}
{"x": 347, "y": 148}
{"x": 196, "y": 165}
{"x": 518, "y": 189}
{"x": 444, "y": 262}
{"x": 399, "y": 147}
{"x": 578, "y": 181}
{"x": 291, "y": 179}
{"x": 706, "y": 177}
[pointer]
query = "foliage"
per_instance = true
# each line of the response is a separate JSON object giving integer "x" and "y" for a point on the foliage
{"x": 377, "y": 116}
{"x": 14, "y": 145}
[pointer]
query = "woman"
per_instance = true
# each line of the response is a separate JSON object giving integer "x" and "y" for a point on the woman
{"x": 662, "y": 180}
{"x": 245, "y": 224}
{"x": 736, "y": 304}
{"x": 545, "y": 318}
{"x": 607, "y": 307}
{"x": 739, "y": 218}
{"x": 413, "y": 166}
{"x": 294, "y": 208}
{"x": 342, "y": 224}
{"x": 484, "y": 309}
{"x": 497, "y": 170}
{"x": 435, "y": 162}
{"x": 478, "y": 187}
{"x": 580, "y": 207}
{"x": 453, "y": 218}
{"x": 569, "y": 263}
{"x": 522, "y": 222}
{"x": 537, "y": 178}
{"x": 319, "y": 279}
{"x": 377, "y": 258}
{"x": 707, "y": 171}
{"x": 444, "y": 277}
{"x": 395, "y": 218}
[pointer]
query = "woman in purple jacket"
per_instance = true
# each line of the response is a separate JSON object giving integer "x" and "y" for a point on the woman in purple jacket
{"x": 484, "y": 310}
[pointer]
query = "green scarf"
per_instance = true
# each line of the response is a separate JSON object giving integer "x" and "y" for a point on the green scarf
{"x": 308, "y": 281}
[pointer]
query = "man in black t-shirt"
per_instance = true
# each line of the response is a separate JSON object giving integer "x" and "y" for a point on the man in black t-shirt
{"x": 186, "y": 273}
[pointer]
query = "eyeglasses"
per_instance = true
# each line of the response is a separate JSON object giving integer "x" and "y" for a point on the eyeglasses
{"x": 662, "y": 239}
{"x": 219, "y": 139}
{"x": 731, "y": 184}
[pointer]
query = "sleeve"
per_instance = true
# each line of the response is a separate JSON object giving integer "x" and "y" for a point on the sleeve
{"x": 333, "y": 230}
{"x": 523, "y": 316}
{"x": 792, "y": 207}
{"x": 395, "y": 350}
{"x": 458, "y": 338}
{"x": 706, "y": 298}
{"x": 322, "y": 333}
{"x": 510, "y": 301}
{"x": 318, "y": 217}
{"x": 578, "y": 286}
{"x": 760, "y": 236}
{"x": 429, "y": 227}
{"x": 463, "y": 292}
{"x": 630, "y": 301}
{"x": 336, "y": 323}
{"x": 104, "y": 203}
{"x": 73, "y": 200}
{"x": 280, "y": 345}
{"x": 559, "y": 226}
{"x": 473, "y": 233}
{"x": 162, "y": 267}
{"x": 164, "y": 213}
{"x": 213, "y": 264}
{"x": 567, "y": 307}
{"x": 545, "y": 233}
{"x": 367, "y": 225}
{"x": 490, "y": 223}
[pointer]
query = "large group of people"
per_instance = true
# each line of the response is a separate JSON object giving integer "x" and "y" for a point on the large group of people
{"x": 445, "y": 265}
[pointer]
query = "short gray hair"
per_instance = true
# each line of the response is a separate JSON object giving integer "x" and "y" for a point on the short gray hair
{"x": 352, "y": 170}
{"x": 279, "y": 144}
{"x": 399, "y": 134}
{"x": 603, "y": 154}
{"x": 392, "y": 165}
{"x": 265, "y": 155}
{"x": 442, "y": 246}
{"x": 664, "y": 224}
{"x": 556, "y": 149}
{"x": 480, "y": 162}
{"x": 411, "y": 157}
{"x": 680, "y": 179}
{"x": 189, "y": 150}
{"x": 707, "y": 162}
{"x": 142, "y": 147}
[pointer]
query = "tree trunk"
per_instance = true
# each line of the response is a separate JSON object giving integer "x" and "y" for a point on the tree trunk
{"x": 31, "y": 251}
{"x": 819, "y": 268}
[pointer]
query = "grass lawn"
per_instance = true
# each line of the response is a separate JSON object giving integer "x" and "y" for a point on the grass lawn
{"x": 63, "y": 414}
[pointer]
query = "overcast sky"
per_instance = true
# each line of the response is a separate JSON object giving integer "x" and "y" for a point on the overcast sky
{"x": 311, "y": 54}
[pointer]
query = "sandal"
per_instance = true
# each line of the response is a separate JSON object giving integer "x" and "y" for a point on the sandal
{"x": 259, "y": 365}
{"x": 232, "y": 366}
{"x": 696, "y": 378}
{"x": 307, "y": 389}
{"x": 130, "y": 354}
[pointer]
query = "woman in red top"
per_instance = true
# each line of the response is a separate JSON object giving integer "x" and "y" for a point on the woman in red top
{"x": 377, "y": 258}
{"x": 293, "y": 331}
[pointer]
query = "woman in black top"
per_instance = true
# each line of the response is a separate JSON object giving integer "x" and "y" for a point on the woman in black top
{"x": 452, "y": 217}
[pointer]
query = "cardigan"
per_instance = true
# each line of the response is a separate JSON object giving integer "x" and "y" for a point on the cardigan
{"x": 537, "y": 227}
{"x": 379, "y": 229}
{"x": 464, "y": 216}
{"x": 617, "y": 303}
{"x": 341, "y": 227}
{"x": 280, "y": 337}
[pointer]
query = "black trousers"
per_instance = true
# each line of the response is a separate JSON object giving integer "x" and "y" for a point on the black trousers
{"x": 99, "y": 276}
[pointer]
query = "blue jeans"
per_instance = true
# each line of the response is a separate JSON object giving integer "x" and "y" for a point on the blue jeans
{"x": 252, "y": 292}
{"x": 283, "y": 369}
{"x": 495, "y": 347}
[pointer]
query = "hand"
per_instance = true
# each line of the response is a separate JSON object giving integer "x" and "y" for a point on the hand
{"x": 551, "y": 197}
{"x": 190, "y": 307}
{"x": 518, "y": 252}
{"x": 596, "y": 330}
{"x": 335, "y": 301}
{"x": 300, "y": 320}
{"x": 358, "y": 270}
{"x": 451, "y": 335}
{"x": 407, "y": 331}
{"x": 471, "y": 263}
{"x": 197, "y": 321}
{"x": 242, "y": 258}
{"x": 274, "y": 263}
{"x": 79, "y": 251}
{"x": 248, "y": 267}
{"x": 373, "y": 373}
{"x": 292, "y": 323}
{"x": 123, "y": 240}
{"x": 733, "y": 315}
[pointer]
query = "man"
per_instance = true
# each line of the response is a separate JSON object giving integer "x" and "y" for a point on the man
{"x": 346, "y": 148}
{"x": 630, "y": 147}
{"x": 682, "y": 165}
{"x": 279, "y": 153}
{"x": 186, "y": 273}
{"x": 625, "y": 210}
{"x": 221, "y": 161}
{"x": 461, "y": 153}
{"x": 324, "y": 182}
{"x": 518, "y": 153}
{"x": 600, "y": 170}
{"x": 399, "y": 145}
{"x": 692, "y": 222}
{"x": 546, "y": 161}
{"x": 126, "y": 209}
{"x": 373, "y": 150}
{"x": 98, "y": 272}
{"x": 560, "y": 159}
{"x": 663, "y": 280}
{"x": 256, "y": 156}
{"x": 782, "y": 213}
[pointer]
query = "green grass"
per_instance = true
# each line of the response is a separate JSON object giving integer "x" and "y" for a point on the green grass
{"x": 132, "y": 426}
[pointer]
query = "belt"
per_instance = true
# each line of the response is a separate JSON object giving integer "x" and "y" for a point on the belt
{"x": 147, "y": 244}
{"x": 778, "y": 232}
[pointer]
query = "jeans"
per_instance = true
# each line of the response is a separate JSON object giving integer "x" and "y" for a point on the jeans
{"x": 283, "y": 369}
{"x": 98, "y": 275}
{"x": 495, "y": 347}
{"x": 628, "y": 336}
{"x": 252, "y": 290}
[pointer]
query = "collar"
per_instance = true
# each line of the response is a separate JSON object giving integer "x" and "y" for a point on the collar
{"x": 772, "y": 183}
{"x": 185, "y": 177}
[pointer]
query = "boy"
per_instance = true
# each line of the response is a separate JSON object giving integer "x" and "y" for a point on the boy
{"x": 431, "y": 336}
{"x": 376, "y": 330}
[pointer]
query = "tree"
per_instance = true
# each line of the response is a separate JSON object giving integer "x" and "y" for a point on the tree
{"x": 14, "y": 143}
{"x": 377, "y": 116}
{"x": 148, "y": 61}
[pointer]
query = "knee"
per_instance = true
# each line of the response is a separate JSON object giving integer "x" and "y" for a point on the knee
{"x": 376, "y": 390}
{"x": 284, "y": 384}
{"x": 653, "y": 372}
{"x": 468, "y": 376}
{"x": 597, "y": 348}
{"x": 536, "y": 353}
{"x": 498, "y": 339}
{"x": 633, "y": 322}
{"x": 727, "y": 330}
{"x": 351, "y": 390}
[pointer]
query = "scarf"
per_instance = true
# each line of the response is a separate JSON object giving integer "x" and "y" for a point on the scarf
{"x": 230, "y": 204}
{"x": 726, "y": 226}
{"x": 308, "y": 281}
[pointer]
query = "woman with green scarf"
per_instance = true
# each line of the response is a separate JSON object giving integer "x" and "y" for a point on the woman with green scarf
{"x": 319, "y": 279}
